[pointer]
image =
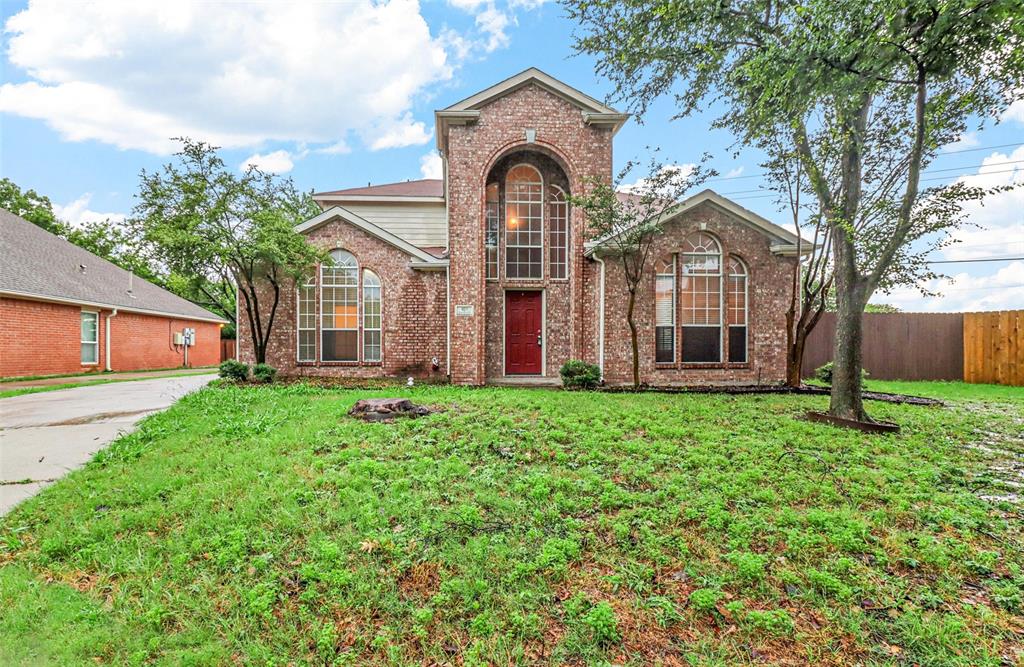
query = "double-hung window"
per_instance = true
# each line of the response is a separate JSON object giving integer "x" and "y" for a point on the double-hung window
{"x": 90, "y": 337}
{"x": 307, "y": 320}
{"x": 371, "y": 316}
{"x": 737, "y": 302}
{"x": 558, "y": 234}
{"x": 665, "y": 311}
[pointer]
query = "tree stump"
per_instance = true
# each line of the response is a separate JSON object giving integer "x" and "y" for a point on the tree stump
{"x": 387, "y": 409}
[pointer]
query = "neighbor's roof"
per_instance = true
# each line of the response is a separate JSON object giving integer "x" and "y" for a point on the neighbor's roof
{"x": 35, "y": 264}
{"x": 427, "y": 187}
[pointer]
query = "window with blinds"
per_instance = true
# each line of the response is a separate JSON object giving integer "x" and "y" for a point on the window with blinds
{"x": 665, "y": 311}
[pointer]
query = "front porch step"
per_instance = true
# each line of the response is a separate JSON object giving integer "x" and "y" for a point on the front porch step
{"x": 524, "y": 381}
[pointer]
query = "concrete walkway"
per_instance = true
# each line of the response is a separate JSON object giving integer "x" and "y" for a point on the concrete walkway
{"x": 93, "y": 377}
{"x": 44, "y": 436}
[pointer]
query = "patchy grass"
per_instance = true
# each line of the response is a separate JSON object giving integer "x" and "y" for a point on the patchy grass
{"x": 261, "y": 525}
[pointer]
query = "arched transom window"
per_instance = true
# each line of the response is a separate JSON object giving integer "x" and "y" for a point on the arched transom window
{"x": 700, "y": 298}
{"x": 524, "y": 223}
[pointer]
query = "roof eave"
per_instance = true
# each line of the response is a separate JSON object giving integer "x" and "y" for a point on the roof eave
{"x": 445, "y": 118}
{"x": 615, "y": 121}
{"x": 398, "y": 199}
{"x": 47, "y": 298}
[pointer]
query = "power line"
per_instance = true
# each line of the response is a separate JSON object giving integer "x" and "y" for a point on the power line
{"x": 971, "y": 261}
{"x": 940, "y": 155}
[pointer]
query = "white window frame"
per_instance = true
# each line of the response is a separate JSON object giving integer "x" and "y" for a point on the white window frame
{"x": 543, "y": 230}
{"x": 379, "y": 329}
{"x": 721, "y": 294}
{"x": 566, "y": 232}
{"x": 94, "y": 343}
{"x": 498, "y": 231}
{"x": 746, "y": 305}
{"x": 355, "y": 269}
{"x": 312, "y": 282}
{"x": 674, "y": 275}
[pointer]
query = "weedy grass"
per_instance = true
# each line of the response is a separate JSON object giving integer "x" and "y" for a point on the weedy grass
{"x": 260, "y": 524}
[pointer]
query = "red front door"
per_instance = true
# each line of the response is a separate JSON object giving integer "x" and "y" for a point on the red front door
{"x": 523, "y": 330}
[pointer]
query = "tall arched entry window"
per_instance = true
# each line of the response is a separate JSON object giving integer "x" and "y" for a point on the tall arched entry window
{"x": 700, "y": 296}
{"x": 524, "y": 223}
{"x": 339, "y": 302}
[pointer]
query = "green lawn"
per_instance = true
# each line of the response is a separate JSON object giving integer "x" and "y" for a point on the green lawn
{"x": 261, "y": 525}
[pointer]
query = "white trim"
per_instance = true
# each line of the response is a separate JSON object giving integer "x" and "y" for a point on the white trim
{"x": 368, "y": 227}
{"x": 106, "y": 341}
{"x": 746, "y": 308}
{"x": 359, "y": 306}
{"x": 298, "y": 319}
{"x": 600, "y": 323}
{"x": 95, "y": 343}
{"x": 362, "y": 318}
{"x": 28, "y": 296}
{"x": 396, "y": 199}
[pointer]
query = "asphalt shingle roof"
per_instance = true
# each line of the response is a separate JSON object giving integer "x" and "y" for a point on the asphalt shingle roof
{"x": 426, "y": 187}
{"x": 35, "y": 262}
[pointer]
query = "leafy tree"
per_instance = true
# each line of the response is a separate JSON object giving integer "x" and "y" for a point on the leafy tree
{"x": 215, "y": 229}
{"x": 30, "y": 205}
{"x": 625, "y": 221}
{"x": 868, "y": 90}
{"x": 881, "y": 308}
{"x": 114, "y": 243}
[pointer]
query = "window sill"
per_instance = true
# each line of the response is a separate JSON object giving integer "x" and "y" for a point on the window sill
{"x": 353, "y": 364}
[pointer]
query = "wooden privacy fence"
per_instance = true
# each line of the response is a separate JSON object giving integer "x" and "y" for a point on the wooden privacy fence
{"x": 993, "y": 347}
{"x": 975, "y": 347}
{"x": 227, "y": 349}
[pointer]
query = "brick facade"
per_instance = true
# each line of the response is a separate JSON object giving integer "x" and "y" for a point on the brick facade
{"x": 41, "y": 338}
{"x": 534, "y": 125}
{"x": 413, "y": 304}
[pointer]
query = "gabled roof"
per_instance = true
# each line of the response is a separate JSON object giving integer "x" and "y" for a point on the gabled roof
{"x": 467, "y": 110}
{"x": 427, "y": 189}
{"x": 783, "y": 241}
{"x": 38, "y": 265}
{"x": 421, "y": 258}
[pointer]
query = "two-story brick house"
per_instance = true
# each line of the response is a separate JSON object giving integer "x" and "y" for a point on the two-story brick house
{"x": 488, "y": 275}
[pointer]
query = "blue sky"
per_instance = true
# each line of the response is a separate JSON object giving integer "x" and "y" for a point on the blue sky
{"x": 341, "y": 94}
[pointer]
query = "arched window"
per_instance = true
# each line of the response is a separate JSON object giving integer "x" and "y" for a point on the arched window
{"x": 701, "y": 298}
{"x": 665, "y": 310}
{"x": 737, "y": 309}
{"x": 492, "y": 229}
{"x": 524, "y": 223}
{"x": 558, "y": 234}
{"x": 371, "y": 316}
{"x": 339, "y": 303}
{"x": 307, "y": 319}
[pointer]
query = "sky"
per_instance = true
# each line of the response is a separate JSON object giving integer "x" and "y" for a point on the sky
{"x": 341, "y": 94}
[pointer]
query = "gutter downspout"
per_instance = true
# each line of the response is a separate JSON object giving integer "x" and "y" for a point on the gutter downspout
{"x": 447, "y": 274}
{"x": 600, "y": 321}
{"x": 113, "y": 313}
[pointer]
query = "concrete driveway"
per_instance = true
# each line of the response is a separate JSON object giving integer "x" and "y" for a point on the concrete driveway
{"x": 45, "y": 435}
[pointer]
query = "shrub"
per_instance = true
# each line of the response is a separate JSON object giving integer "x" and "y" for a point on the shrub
{"x": 234, "y": 370}
{"x": 824, "y": 373}
{"x": 264, "y": 373}
{"x": 578, "y": 374}
{"x": 603, "y": 626}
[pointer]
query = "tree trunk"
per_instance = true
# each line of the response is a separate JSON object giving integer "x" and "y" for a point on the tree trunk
{"x": 633, "y": 339}
{"x": 795, "y": 359}
{"x": 846, "y": 400}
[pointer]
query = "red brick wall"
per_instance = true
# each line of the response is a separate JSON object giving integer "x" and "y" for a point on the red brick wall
{"x": 768, "y": 292}
{"x": 413, "y": 314}
{"x": 473, "y": 149}
{"x": 38, "y": 338}
{"x": 146, "y": 341}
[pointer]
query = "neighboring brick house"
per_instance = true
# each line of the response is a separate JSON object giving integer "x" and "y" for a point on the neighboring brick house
{"x": 487, "y": 276}
{"x": 64, "y": 310}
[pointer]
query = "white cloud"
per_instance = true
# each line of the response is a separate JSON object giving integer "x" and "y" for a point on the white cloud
{"x": 681, "y": 171}
{"x": 397, "y": 134}
{"x": 997, "y": 222}
{"x": 1016, "y": 109}
{"x": 77, "y": 213}
{"x": 733, "y": 173}
{"x": 493, "y": 23}
{"x": 277, "y": 162}
{"x": 1002, "y": 290}
{"x": 337, "y": 148}
{"x": 235, "y": 74}
{"x": 431, "y": 165}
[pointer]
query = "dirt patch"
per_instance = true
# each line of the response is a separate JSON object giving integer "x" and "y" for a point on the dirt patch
{"x": 421, "y": 581}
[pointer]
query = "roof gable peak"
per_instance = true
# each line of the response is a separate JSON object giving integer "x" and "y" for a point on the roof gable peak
{"x": 524, "y": 78}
